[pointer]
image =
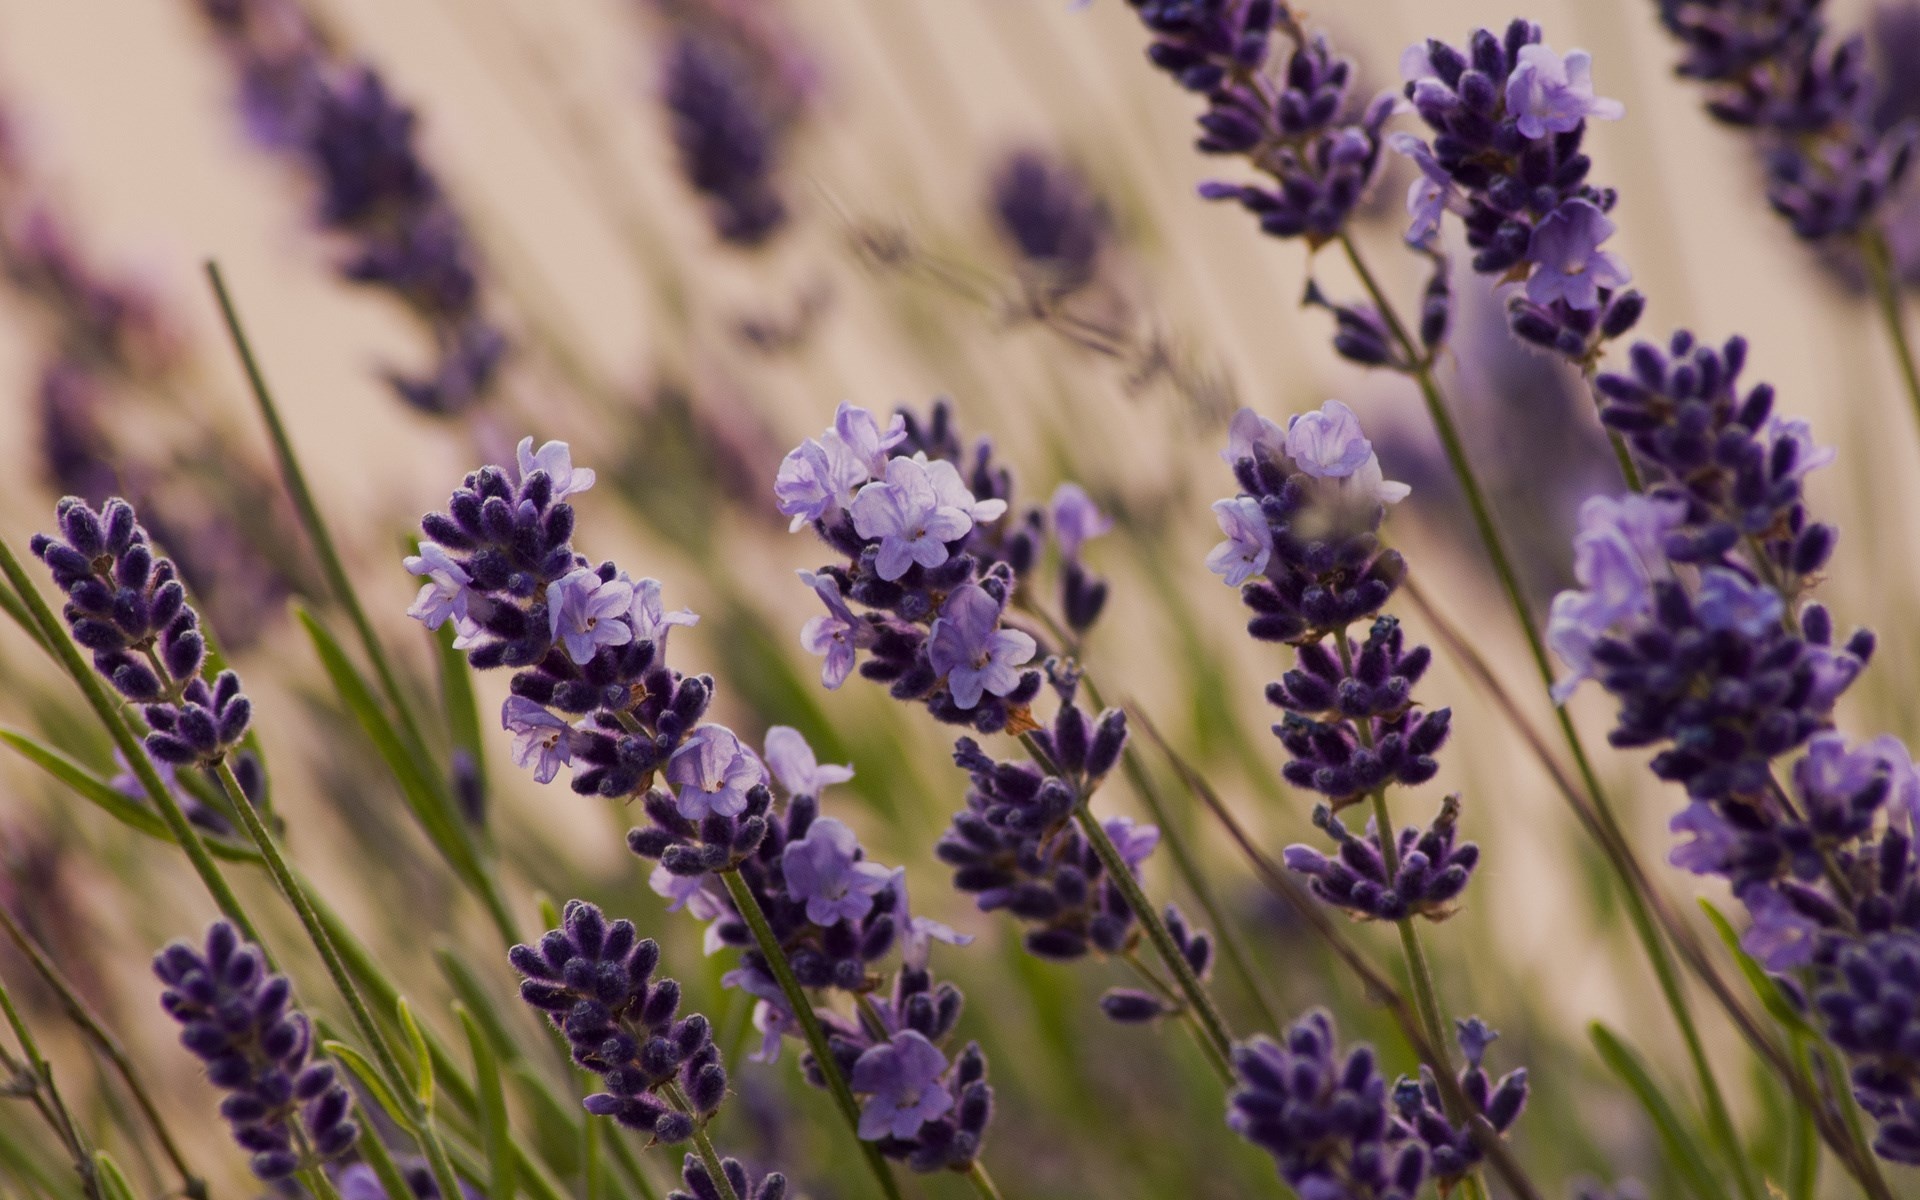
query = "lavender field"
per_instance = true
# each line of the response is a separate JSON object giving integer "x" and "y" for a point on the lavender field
{"x": 758, "y": 599}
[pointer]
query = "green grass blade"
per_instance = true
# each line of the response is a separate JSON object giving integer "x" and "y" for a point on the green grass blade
{"x": 1763, "y": 985}
{"x": 1683, "y": 1149}
{"x": 369, "y": 1078}
{"x": 496, "y": 1138}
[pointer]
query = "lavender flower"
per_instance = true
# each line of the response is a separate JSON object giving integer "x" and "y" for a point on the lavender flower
{"x": 1076, "y": 519}
{"x": 967, "y": 647}
{"x": 125, "y": 605}
{"x": 336, "y": 121}
{"x": 1297, "y": 128}
{"x": 729, "y": 144}
{"x": 1326, "y": 1121}
{"x": 901, "y": 1078}
{"x": 1507, "y": 116}
{"x": 238, "y": 1019}
{"x": 794, "y": 765}
{"x": 539, "y": 737}
{"x": 594, "y": 980}
{"x": 700, "y": 1185}
{"x": 837, "y": 636}
{"x": 713, "y": 773}
{"x": 1045, "y": 212}
{"x": 1451, "y": 1150}
{"x": 824, "y": 871}
{"x": 1830, "y": 164}
{"x": 581, "y": 613}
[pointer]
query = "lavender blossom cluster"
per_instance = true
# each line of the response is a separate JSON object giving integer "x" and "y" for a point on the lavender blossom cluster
{"x": 1775, "y": 71}
{"x": 237, "y": 1018}
{"x": 1690, "y": 614}
{"x": 592, "y": 690}
{"x": 126, "y": 604}
{"x": 1334, "y": 1128}
{"x": 1302, "y": 544}
{"x": 335, "y": 119}
{"x": 1507, "y": 116}
{"x": 937, "y": 570}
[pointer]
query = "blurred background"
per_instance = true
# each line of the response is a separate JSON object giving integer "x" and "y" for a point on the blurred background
{"x": 682, "y": 355}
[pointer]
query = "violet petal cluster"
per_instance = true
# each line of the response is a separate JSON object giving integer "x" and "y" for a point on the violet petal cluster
{"x": 237, "y": 1018}
{"x": 1689, "y": 613}
{"x": 1327, "y": 1121}
{"x": 929, "y": 558}
{"x": 1773, "y": 70}
{"x": 1045, "y": 212}
{"x": 729, "y": 144}
{"x": 594, "y": 980}
{"x": 126, "y": 605}
{"x": 336, "y": 121}
{"x": 1297, "y": 127}
{"x": 699, "y": 1184}
{"x": 1507, "y": 115}
{"x": 1451, "y": 1150}
{"x": 838, "y": 916}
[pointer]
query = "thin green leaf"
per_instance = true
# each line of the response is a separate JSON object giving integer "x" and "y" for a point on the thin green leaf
{"x": 549, "y": 912}
{"x": 103, "y": 795}
{"x": 370, "y": 1079}
{"x": 422, "y": 1056}
{"x": 10, "y": 604}
{"x": 113, "y": 1181}
{"x": 1803, "y": 1142}
{"x": 1683, "y": 1150}
{"x": 495, "y": 1135}
{"x": 423, "y": 799}
{"x": 1764, "y": 986}
{"x": 471, "y": 992}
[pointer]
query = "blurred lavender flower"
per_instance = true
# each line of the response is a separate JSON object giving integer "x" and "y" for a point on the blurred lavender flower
{"x": 335, "y": 120}
{"x": 1451, "y": 1150}
{"x": 700, "y": 1185}
{"x": 126, "y": 606}
{"x": 729, "y": 145}
{"x": 1045, "y": 212}
{"x": 238, "y": 1019}
{"x": 1830, "y": 163}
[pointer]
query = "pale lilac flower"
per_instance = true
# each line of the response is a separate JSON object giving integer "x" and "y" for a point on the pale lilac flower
{"x": 824, "y": 872}
{"x": 539, "y": 737}
{"x": 700, "y": 895}
{"x": 1715, "y": 841}
{"x": 906, "y": 514}
{"x": 917, "y": 934}
{"x": 1728, "y": 601}
{"x": 649, "y": 618}
{"x": 1809, "y": 455}
{"x": 1547, "y": 94}
{"x": 1076, "y": 519}
{"x": 1328, "y": 444}
{"x": 770, "y": 1014}
{"x": 835, "y": 636}
{"x": 1432, "y": 192}
{"x": 816, "y": 479}
{"x": 1251, "y": 435}
{"x": 794, "y": 765}
{"x": 950, "y": 491}
{"x": 557, "y": 461}
{"x": 967, "y": 646}
{"x": 1781, "y": 936}
{"x": 1134, "y": 842}
{"x": 444, "y": 595}
{"x": 1617, "y": 555}
{"x": 1370, "y": 483}
{"x": 1249, "y": 540}
{"x": 1570, "y": 265}
{"x": 713, "y": 773}
{"x": 901, "y": 1080}
{"x": 859, "y": 431}
{"x": 585, "y": 613}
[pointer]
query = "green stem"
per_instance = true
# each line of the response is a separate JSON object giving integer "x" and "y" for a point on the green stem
{"x": 1215, "y": 1038}
{"x": 334, "y": 568}
{"x": 136, "y": 758}
{"x": 385, "y": 1169}
{"x": 1719, "y": 1116}
{"x": 46, "y": 1096}
{"x": 1225, "y": 932}
{"x": 1886, "y": 292}
{"x": 191, "y": 1185}
{"x": 982, "y": 1182}
{"x": 296, "y": 895}
{"x": 770, "y": 949}
{"x": 702, "y": 1144}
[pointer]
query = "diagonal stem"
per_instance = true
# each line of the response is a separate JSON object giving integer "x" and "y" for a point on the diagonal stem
{"x": 770, "y": 949}
{"x": 1886, "y": 294}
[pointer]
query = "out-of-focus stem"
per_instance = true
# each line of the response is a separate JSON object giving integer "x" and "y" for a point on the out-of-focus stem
{"x": 1886, "y": 293}
{"x": 46, "y": 1097}
{"x": 816, "y": 1034}
{"x": 78, "y": 1011}
{"x": 702, "y": 1144}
